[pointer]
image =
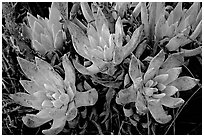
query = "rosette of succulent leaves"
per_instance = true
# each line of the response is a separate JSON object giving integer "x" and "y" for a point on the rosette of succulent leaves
{"x": 56, "y": 99}
{"x": 46, "y": 34}
{"x": 156, "y": 88}
{"x": 172, "y": 28}
{"x": 101, "y": 49}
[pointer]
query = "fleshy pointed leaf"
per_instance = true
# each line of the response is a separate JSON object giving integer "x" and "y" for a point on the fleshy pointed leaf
{"x": 87, "y": 98}
{"x": 34, "y": 121}
{"x": 177, "y": 41}
{"x": 119, "y": 32}
{"x": 140, "y": 104}
{"x": 47, "y": 72}
{"x": 31, "y": 20}
{"x": 100, "y": 20}
{"x": 134, "y": 68}
{"x": 170, "y": 90}
{"x": 54, "y": 17}
{"x": 37, "y": 31}
{"x": 171, "y": 102}
{"x": 144, "y": 18}
{"x": 81, "y": 68}
{"x": 197, "y": 31}
{"x": 149, "y": 74}
{"x": 158, "y": 112}
{"x": 184, "y": 83}
{"x": 118, "y": 55}
{"x": 46, "y": 43}
{"x": 22, "y": 99}
{"x": 126, "y": 96}
{"x": 57, "y": 126}
{"x": 79, "y": 39}
{"x": 157, "y": 61}
{"x": 69, "y": 71}
{"x": 39, "y": 47}
{"x": 30, "y": 86}
{"x": 161, "y": 78}
{"x": 128, "y": 111}
{"x": 26, "y": 31}
{"x": 174, "y": 60}
{"x": 136, "y": 10}
{"x": 86, "y": 11}
{"x": 58, "y": 43}
{"x": 173, "y": 75}
{"x": 72, "y": 111}
{"x": 28, "y": 67}
{"x": 135, "y": 40}
{"x": 161, "y": 28}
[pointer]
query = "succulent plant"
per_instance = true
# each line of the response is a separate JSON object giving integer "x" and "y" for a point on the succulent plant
{"x": 177, "y": 28}
{"x": 156, "y": 87}
{"x": 55, "y": 98}
{"x": 46, "y": 34}
{"x": 97, "y": 44}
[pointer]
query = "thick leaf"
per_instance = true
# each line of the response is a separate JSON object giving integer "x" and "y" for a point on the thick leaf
{"x": 173, "y": 74}
{"x": 177, "y": 41}
{"x": 170, "y": 90}
{"x": 49, "y": 74}
{"x": 79, "y": 39}
{"x": 57, "y": 126}
{"x": 87, "y": 98}
{"x": 150, "y": 91}
{"x": 22, "y": 99}
{"x": 184, "y": 83}
{"x": 57, "y": 113}
{"x": 128, "y": 111}
{"x": 135, "y": 40}
{"x": 197, "y": 31}
{"x": 161, "y": 78}
{"x": 174, "y": 60}
{"x": 144, "y": 18}
{"x": 100, "y": 19}
{"x": 158, "y": 112}
{"x": 149, "y": 74}
{"x": 31, "y": 20}
{"x": 54, "y": 17}
{"x": 126, "y": 96}
{"x": 161, "y": 86}
{"x": 30, "y": 86}
{"x": 140, "y": 104}
{"x": 46, "y": 43}
{"x": 134, "y": 68}
{"x": 136, "y": 10}
{"x": 34, "y": 121}
{"x": 72, "y": 111}
{"x": 86, "y": 11}
{"x": 171, "y": 102}
{"x": 119, "y": 32}
{"x": 176, "y": 14}
{"x": 157, "y": 61}
{"x": 81, "y": 68}
{"x": 58, "y": 42}
{"x": 161, "y": 28}
{"x": 105, "y": 34}
{"x": 69, "y": 71}
{"x": 118, "y": 55}
{"x": 28, "y": 67}
{"x": 199, "y": 17}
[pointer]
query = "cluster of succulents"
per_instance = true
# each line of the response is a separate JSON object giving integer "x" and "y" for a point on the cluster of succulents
{"x": 151, "y": 89}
